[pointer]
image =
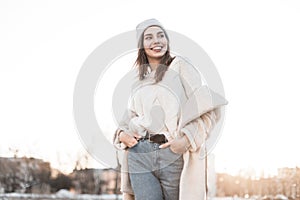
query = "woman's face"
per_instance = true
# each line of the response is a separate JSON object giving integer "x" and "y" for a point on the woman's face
{"x": 155, "y": 42}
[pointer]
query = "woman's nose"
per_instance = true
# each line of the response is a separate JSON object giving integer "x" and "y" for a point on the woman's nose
{"x": 155, "y": 40}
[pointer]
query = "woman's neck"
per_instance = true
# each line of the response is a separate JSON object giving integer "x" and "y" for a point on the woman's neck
{"x": 154, "y": 62}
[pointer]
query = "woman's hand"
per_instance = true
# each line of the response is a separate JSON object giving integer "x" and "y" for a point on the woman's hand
{"x": 129, "y": 139}
{"x": 178, "y": 145}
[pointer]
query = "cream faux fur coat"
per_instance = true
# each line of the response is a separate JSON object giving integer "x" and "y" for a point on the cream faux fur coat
{"x": 190, "y": 108}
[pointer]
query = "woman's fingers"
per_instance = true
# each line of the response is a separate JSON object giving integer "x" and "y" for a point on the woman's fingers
{"x": 128, "y": 139}
{"x": 165, "y": 145}
{"x": 132, "y": 143}
{"x": 137, "y": 136}
{"x": 180, "y": 145}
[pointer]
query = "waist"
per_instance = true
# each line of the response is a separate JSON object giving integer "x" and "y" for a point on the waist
{"x": 157, "y": 138}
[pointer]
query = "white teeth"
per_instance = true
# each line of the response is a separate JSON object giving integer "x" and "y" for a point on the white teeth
{"x": 157, "y": 48}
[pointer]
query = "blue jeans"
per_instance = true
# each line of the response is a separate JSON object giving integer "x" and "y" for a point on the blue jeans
{"x": 154, "y": 173}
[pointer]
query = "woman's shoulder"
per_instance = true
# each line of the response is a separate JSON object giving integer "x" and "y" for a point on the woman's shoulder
{"x": 180, "y": 62}
{"x": 177, "y": 60}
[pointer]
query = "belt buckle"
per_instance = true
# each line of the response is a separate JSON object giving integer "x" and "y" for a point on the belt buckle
{"x": 158, "y": 138}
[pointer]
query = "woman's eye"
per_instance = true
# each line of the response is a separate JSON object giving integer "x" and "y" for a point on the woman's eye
{"x": 161, "y": 35}
{"x": 147, "y": 38}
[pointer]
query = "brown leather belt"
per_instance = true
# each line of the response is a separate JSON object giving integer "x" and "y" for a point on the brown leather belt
{"x": 157, "y": 138}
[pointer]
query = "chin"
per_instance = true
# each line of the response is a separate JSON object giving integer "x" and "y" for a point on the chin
{"x": 158, "y": 55}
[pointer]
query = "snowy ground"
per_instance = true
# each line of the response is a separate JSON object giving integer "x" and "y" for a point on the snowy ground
{"x": 16, "y": 196}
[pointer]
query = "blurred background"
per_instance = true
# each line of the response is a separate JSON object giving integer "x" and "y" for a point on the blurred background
{"x": 254, "y": 45}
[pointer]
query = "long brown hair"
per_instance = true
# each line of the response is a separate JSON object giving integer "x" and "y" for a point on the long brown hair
{"x": 142, "y": 61}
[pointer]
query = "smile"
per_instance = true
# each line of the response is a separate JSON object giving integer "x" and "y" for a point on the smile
{"x": 158, "y": 48}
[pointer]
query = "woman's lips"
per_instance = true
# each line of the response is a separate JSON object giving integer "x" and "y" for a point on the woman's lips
{"x": 156, "y": 49}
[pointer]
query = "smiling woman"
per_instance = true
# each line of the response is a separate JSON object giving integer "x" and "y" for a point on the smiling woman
{"x": 42, "y": 52}
{"x": 155, "y": 44}
{"x": 154, "y": 50}
{"x": 165, "y": 124}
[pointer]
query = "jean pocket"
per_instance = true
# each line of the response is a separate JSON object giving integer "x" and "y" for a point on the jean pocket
{"x": 133, "y": 148}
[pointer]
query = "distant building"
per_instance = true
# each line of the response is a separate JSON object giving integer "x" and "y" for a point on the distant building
{"x": 286, "y": 182}
{"x": 290, "y": 180}
{"x": 86, "y": 181}
{"x": 24, "y": 175}
{"x": 96, "y": 181}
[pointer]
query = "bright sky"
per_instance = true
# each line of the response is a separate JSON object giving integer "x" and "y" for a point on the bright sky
{"x": 255, "y": 46}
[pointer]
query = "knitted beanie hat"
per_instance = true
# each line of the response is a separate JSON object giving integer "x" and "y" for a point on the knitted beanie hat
{"x": 141, "y": 27}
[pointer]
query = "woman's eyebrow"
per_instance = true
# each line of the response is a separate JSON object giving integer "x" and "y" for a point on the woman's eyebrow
{"x": 148, "y": 34}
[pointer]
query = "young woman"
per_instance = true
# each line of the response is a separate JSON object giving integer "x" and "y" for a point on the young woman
{"x": 162, "y": 132}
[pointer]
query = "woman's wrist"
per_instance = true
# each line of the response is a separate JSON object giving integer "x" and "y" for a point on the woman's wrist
{"x": 187, "y": 142}
{"x": 119, "y": 134}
